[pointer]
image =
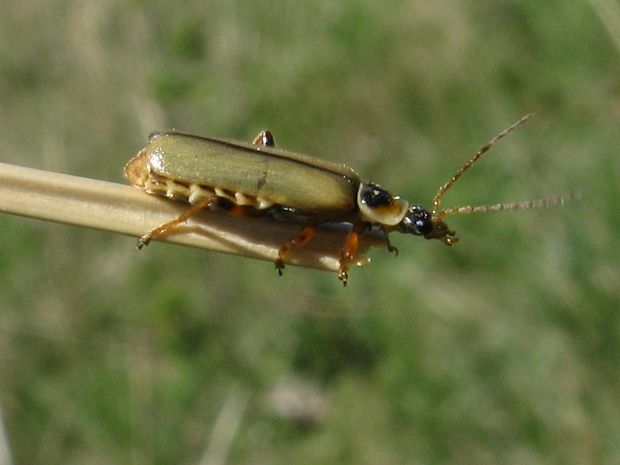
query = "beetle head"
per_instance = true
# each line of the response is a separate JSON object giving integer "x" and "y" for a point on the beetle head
{"x": 419, "y": 221}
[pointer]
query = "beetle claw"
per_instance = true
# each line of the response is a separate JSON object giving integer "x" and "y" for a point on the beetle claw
{"x": 388, "y": 244}
{"x": 144, "y": 240}
{"x": 279, "y": 266}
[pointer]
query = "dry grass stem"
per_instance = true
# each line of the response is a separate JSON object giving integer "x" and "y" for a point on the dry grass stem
{"x": 126, "y": 210}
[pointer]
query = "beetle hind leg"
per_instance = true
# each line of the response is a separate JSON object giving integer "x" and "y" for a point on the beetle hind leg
{"x": 304, "y": 236}
{"x": 165, "y": 228}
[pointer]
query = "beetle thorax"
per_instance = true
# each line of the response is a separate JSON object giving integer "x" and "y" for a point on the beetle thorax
{"x": 378, "y": 206}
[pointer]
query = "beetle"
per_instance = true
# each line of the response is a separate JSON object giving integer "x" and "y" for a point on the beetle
{"x": 257, "y": 179}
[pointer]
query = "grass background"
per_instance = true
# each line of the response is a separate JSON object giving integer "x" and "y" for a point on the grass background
{"x": 503, "y": 349}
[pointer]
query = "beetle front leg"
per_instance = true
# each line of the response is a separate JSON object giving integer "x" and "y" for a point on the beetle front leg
{"x": 388, "y": 244}
{"x": 304, "y": 236}
{"x": 264, "y": 138}
{"x": 165, "y": 228}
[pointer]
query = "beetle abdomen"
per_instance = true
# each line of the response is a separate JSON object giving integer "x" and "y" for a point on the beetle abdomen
{"x": 194, "y": 193}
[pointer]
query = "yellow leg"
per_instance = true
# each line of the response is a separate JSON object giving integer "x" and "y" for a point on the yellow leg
{"x": 304, "y": 236}
{"x": 165, "y": 228}
{"x": 347, "y": 254}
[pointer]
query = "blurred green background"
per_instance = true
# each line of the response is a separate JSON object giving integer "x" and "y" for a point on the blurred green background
{"x": 503, "y": 349}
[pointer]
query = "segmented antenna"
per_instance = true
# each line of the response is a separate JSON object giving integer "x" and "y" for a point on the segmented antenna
{"x": 553, "y": 201}
{"x": 438, "y": 214}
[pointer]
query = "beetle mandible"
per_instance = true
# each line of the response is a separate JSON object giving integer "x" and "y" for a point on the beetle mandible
{"x": 259, "y": 179}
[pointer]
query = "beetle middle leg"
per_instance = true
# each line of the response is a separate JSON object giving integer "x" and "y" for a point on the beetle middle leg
{"x": 349, "y": 250}
{"x": 165, "y": 228}
{"x": 305, "y": 235}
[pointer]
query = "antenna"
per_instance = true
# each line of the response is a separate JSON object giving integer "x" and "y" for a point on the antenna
{"x": 436, "y": 213}
{"x": 552, "y": 201}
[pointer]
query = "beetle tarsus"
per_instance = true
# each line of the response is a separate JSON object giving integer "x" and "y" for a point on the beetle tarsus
{"x": 279, "y": 266}
{"x": 144, "y": 241}
{"x": 343, "y": 276}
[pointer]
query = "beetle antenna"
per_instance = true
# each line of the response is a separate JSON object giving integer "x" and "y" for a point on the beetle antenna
{"x": 485, "y": 148}
{"x": 546, "y": 202}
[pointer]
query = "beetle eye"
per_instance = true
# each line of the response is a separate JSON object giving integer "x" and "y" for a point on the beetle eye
{"x": 417, "y": 221}
{"x": 374, "y": 196}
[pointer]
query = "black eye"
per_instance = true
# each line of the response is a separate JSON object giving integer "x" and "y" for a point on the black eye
{"x": 374, "y": 196}
{"x": 424, "y": 225}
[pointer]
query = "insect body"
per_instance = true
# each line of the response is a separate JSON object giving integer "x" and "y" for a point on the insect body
{"x": 259, "y": 179}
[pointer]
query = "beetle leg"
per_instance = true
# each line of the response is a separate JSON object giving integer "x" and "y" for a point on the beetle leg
{"x": 388, "y": 244}
{"x": 165, "y": 228}
{"x": 264, "y": 138}
{"x": 349, "y": 251}
{"x": 304, "y": 236}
